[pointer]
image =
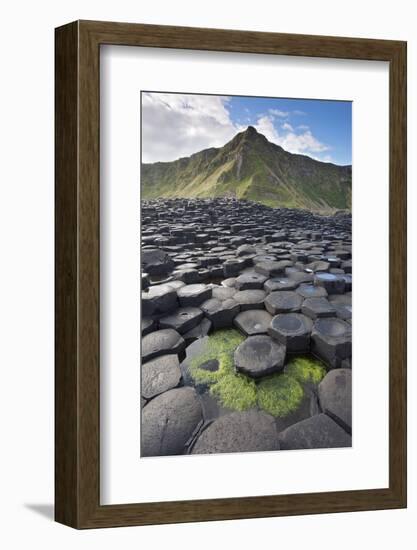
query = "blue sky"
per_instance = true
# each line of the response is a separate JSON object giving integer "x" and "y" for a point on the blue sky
{"x": 175, "y": 125}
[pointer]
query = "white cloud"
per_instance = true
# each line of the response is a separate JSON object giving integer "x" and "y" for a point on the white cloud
{"x": 278, "y": 113}
{"x": 178, "y": 125}
{"x": 287, "y": 126}
{"x": 303, "y": 127}
{"x": 302, "y": 143}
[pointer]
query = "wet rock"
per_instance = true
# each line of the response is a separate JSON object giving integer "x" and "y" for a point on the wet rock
{"x": 253, "y": 321}
{"x": 161, "y": 342}
{"x": 182, "y": 320}
{"x": 259, "y": 356}
{"x": 193, "y": 295}
{"x": 331, "y": 340}
{"x": 238, "y": 432}
{"x": 168, "y": 422}
{"x": 250, "y": 299}
{"x": 187, "y": 276}
{"x": 159, "y": 375}
{"x": 292, "y": 330}
{"x": 335, "y": 396}
{"x": 318, "y": 307}
{"x": 317, "y": 432}
{"x": 220, "y": 313}
{"x": 285, "y": 301}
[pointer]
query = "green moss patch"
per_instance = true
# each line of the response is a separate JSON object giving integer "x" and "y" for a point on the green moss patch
{"x": 306, "y": 370}
{"x": 280, "y": 394}
{"x": 221, "y": 346}
{"x": 235, "y": 391}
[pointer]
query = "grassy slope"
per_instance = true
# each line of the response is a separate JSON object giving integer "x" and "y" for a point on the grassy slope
{"x": 250, "y": 167}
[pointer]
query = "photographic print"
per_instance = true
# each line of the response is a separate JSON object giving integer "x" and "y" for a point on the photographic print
{"x": 246, "y": 274}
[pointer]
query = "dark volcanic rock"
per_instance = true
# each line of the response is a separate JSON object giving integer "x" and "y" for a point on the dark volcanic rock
{"x": 168, "y": 422}
{"x": 272, "y": 268}
{"x": 317, "y": 432}
{"x": 285, "y": 301}
{"x": 159, "y": 375}
{"x": 238, "y": 432}
{"x": 158, "y": 299}
{"x": 318, "y": 307}
{"x": 307, "y": 290}
{"x": 335, "y": 396}
{"x": 331, "y": 340}
{"x": 193, "y": 295}
{"x": 182, "y": 320}
{"x": 250, "y": 299}
{"x": 161, "y": 342}
{"x": 249, "y": 281}
{"x": 156, "y": 262}
{"x": 221, "y": 313}
{"x": 334, "y": 284}
{"x": 280, "y": 283}
{"x": 253, "y": 321}
{"x": 259, "y": 355}
{"x": 292, "y": 330}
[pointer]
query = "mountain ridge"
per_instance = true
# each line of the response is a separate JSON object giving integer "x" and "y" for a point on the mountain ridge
{"x": 251, "y": 167}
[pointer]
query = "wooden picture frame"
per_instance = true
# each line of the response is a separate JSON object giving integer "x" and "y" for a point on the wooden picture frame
{"x": 77, "y": 382}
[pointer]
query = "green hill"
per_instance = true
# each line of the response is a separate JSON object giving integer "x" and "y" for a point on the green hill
{"x": 250, "y": 167}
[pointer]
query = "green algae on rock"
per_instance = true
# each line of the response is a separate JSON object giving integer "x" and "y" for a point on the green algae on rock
{"x": 219, "y": 345}
{"x": 280, "y": 394}
{"x": 235, "y": 391}
{"x": 306, "y": 369}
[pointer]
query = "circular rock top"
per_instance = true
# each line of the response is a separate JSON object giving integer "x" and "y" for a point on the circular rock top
{"x": 291, "y": 323}
{"x": 333, "y": 328}
{"x": 159, "y": 375}
{"x": 250, "y": 299}
{"x": 259, "y": 355}
{"x": 161, "y": 342}
{"x": 239, "y": 432}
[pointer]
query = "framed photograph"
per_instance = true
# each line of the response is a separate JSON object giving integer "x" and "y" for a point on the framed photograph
{"x": 217, "y": 192}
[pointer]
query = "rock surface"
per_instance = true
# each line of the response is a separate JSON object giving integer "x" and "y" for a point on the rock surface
{"x": 259, "y": 356}
{"x": 335, "y": 396}
{"x": 159, "y": 375}
{"x": 168, "y": 422}
{"x": 316, "y": 432}
{"x": 238, "y": 432}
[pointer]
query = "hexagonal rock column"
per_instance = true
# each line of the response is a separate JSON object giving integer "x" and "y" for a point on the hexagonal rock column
{"x": 182, "y": 320}
{"x": 331, "y": 340}
{"x": 253, "y": 321}
{"x": 332, "y": 283}
{"x": 161, "y": 342}
{"x": 220, "y": 313}
{"x": 159, "y": 375}
{"x": 156, "y": 262}
{"x": 272, "y": 268}
{"x": 280, "y": 283}
{"x": 259, "y": 355}
{"x": 193, "y": 295}
{"x": 285, "y": 301}
{"x": 318, "y": 307}
{"x": 250, "y": 299}
{"x": 250, "y": 281}
{"x": 158, "y": 299}
{"x": 292, "y": 330}
{"x": 307, "y": 290}
{"x": 238, "y": 432}
{"x": 168, "y": 422}
{"x": 316, "y": 432}
{"x": 335, "y": 396}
